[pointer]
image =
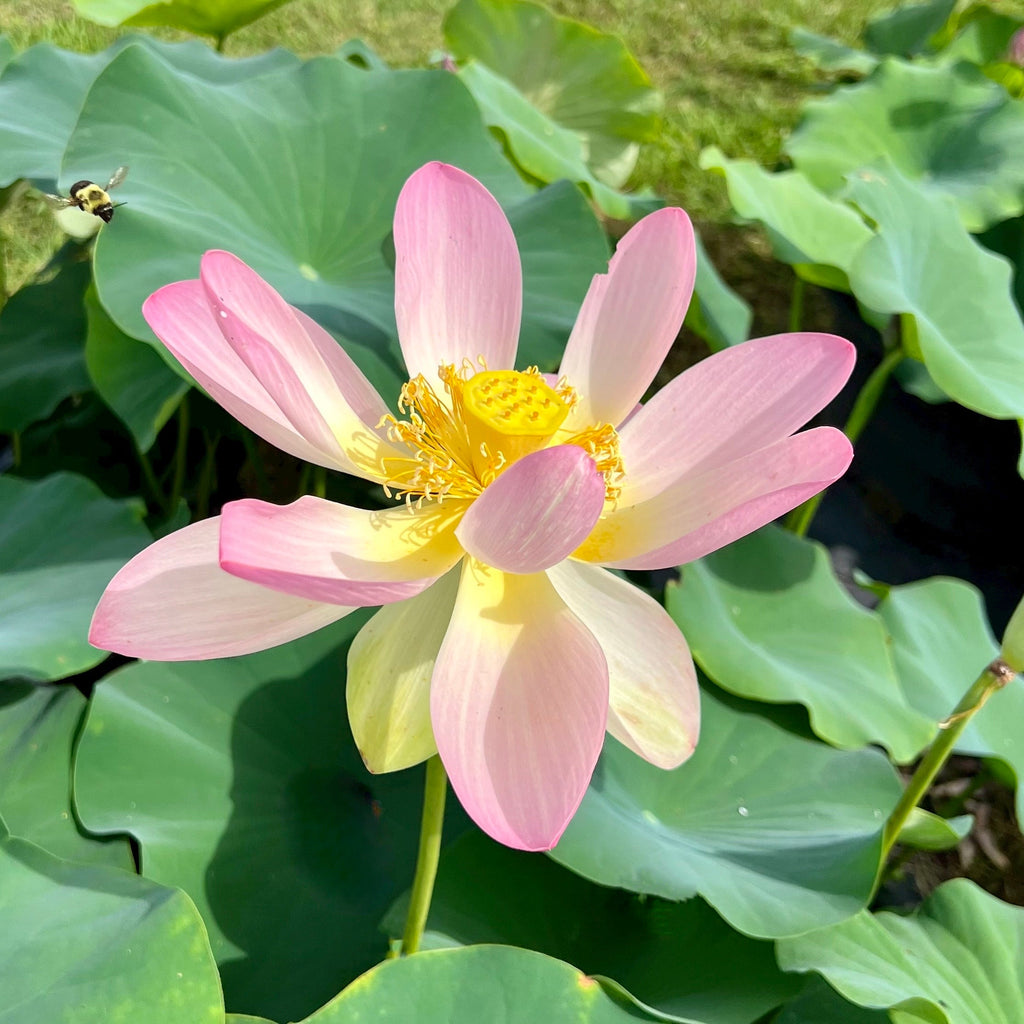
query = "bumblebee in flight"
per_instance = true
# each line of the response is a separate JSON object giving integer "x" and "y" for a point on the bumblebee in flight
{"x": 90, "y": 197}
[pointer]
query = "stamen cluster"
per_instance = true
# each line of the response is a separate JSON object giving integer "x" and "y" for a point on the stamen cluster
{"x": 456, "y": 452}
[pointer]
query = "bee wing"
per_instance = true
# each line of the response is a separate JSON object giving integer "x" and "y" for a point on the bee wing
{"x": 117, "y": 177}
{"x": 58, "y": 202}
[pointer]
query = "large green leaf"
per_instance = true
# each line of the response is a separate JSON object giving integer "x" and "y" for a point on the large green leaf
{"x": 581, "y": 79}
{"x": 241, "y": 783}
{"x": 830, "y": 54}
{"x": 316, "y": 226}
{"x": 488, "y": 893}
{"x": 716, "y": 313}
{"x": 818, "y": 235}
{"x": 130, "y": 376}
{"x": 980, "y": 35}
{"x": 6, "y": 52}
{"x": 954, "y": 296}
{"x": 777, "y": 832}
{"x": 82, "y": 944}
{"x": 42, "y": 90}
{"x": 543, "y": 149}
{"x": 950, "y": 129}
{"x": 1007, "y": 239}
{"x": 40, "y": 94}
{"x": 907, "y": 30}
{"x": 926, "y": 831}
{"x": 941, "y": 642}
{"x": 61, "y": 541}
{"x": 42, "y": 335}
{"x": 37, "y": 731}
{"x": 556, "y": 268}
{"x": 766, "y": 618}
{"x": 958, "y": 960}
{"x": 216, "y": 18}
{"x": 820, "y": 1004}
{"x": 479, "y": 983}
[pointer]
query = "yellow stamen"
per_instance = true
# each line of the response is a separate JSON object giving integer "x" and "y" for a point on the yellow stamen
{"x": 491, "y": 419}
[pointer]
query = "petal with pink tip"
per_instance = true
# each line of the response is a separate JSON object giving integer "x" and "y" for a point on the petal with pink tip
{"x": 328, "y": 402}
{"x": 390, "y": 664}
{"x": 732, "y": 403}
{"x": 173, "y": 602}
{"x": 654, "y": 701}
{"x": 458, "y": 280}
{"x": 698, "y": 514}
{"x": 537, "y": 512}
{"x": 519, "y": 702}
{"x": 324, "y": 551}
{"x": 181, "y": 318}
{"x": 630, "y": 317}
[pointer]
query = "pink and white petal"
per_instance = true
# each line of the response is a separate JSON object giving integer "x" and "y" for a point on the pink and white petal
{"x": 654, "y": 700}
{"x": 390, "y": 664}
{"x": 538, "y": 511}
{"x": 182, "y": 319}
{"x": 173, "y": 602}
{"x": 519, "y": 702}
{"x": 458, "y": 280}
{"x": 630, "y": 317}
{"x": 732, "y": 403}
{"x": 324, "y": 551}
{"x": 703, "y": 512}
{"x": 328, "y": 402}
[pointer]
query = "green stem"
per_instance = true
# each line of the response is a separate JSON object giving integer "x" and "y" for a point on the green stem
{"x": 221, "y": 40}
{"x": 995, "y": 677}
{"x": 206, "y": 476}
{"x": 799, "y": 520}
{"x": 151, "y": 482}
{"x": 320, "y": 481}
{"x": 16, "y": 447}
{"x": 796, "y": 304}
{"x": 180, "y": 454}
{"x": 252, "y": 454}
{"x": 3, "y": 271}
{"x": 430, "y": 851}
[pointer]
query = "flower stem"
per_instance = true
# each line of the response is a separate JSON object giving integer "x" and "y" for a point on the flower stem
{"x": 799, "y": 520}
{"x": 181, "y": 450}
{"x": 151, "y": 481}
{"x": 206, "y": 475}
{"x": 995, "y": 677}
{"x": 426, "y": 861}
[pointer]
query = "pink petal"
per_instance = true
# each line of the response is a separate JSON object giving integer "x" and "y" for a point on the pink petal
{"x": 537, "y": 512}
{"x": 654, "y": 701}
{"x": 324, "y": 551}
{"x": 173, "y": 602}
{"x": 458, "y": 281}
{"x": 390, "y": 664}
{"x": 180, "y": 315}
{"x": 327, "y": 403}
{"x": 705, "y": 511}
{"x": 630, "y": 317}
{"x": 732, "y": 403}
{"x": 181, "y": 318}
{"x": 519, "y": 701}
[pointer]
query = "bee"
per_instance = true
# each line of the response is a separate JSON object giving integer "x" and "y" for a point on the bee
{"x": 90, "y": 197}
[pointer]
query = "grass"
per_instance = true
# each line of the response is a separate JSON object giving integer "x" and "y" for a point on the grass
{"x": 725, "y": 68}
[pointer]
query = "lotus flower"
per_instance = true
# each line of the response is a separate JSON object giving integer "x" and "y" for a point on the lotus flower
{"x": 503, "y": 641}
